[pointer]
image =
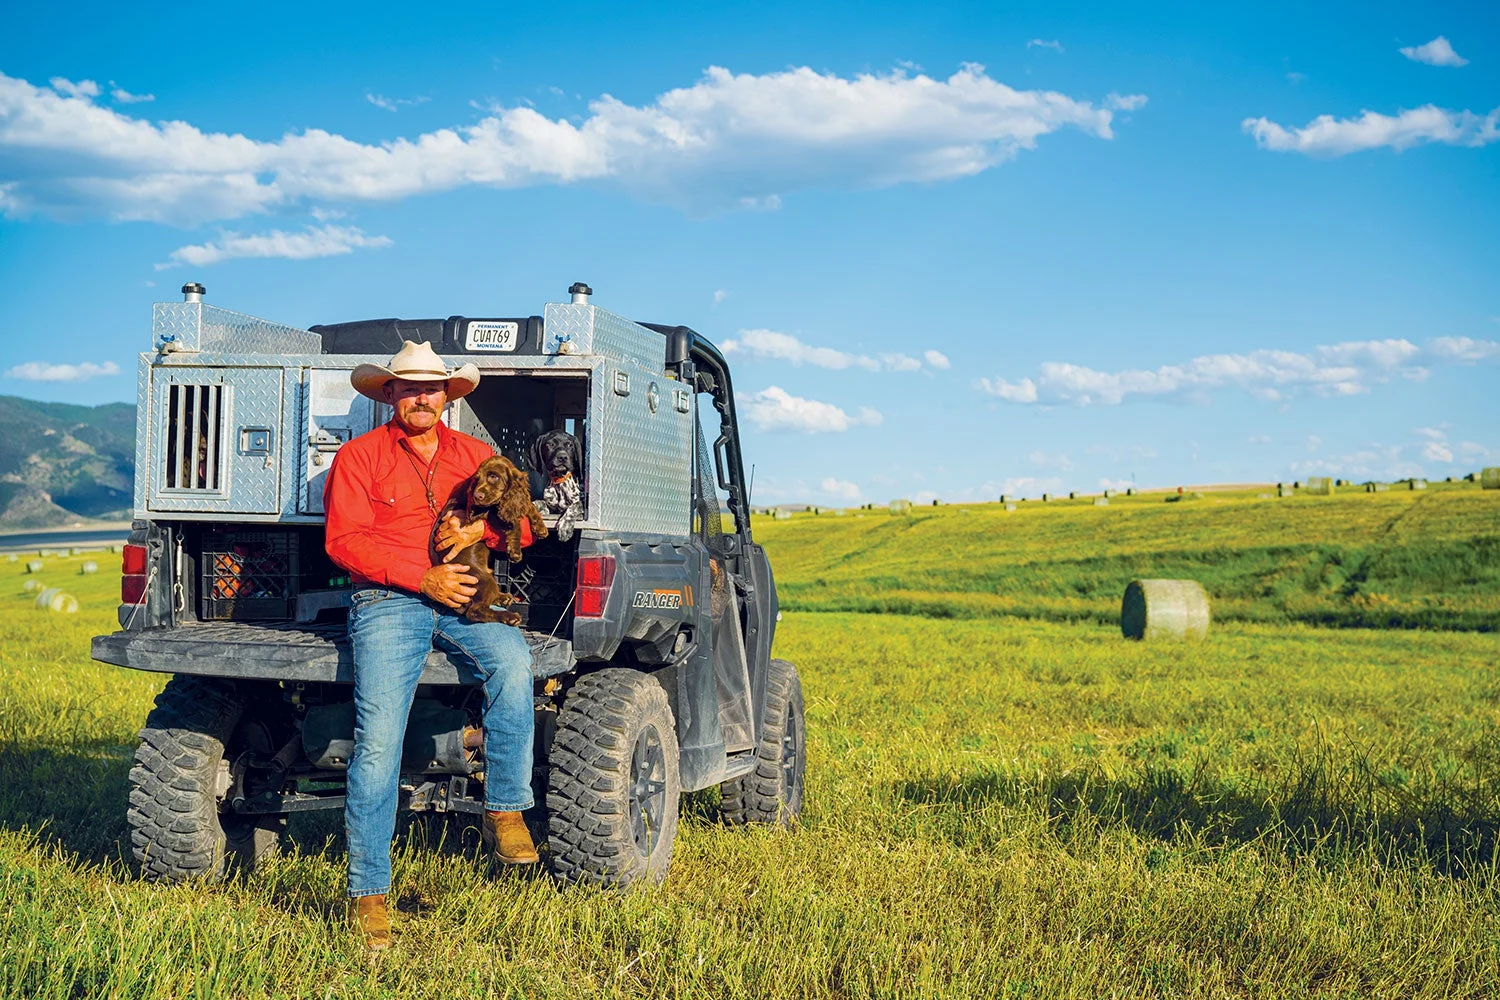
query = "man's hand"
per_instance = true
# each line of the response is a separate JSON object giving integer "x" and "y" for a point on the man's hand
{"x": 455, "y": 538}
{"x": 450, "y": 585}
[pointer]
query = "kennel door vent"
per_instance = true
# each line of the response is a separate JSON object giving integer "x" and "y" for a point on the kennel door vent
{"x": 195, "y": 438}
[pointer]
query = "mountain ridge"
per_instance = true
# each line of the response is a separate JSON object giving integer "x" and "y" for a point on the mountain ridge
{"x": 63, "y": 463}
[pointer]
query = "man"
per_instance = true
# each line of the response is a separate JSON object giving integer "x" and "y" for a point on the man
{"x": 383, "y": 496}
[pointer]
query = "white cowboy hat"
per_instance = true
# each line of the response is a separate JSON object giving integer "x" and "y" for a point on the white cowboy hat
{"x": 414, "y": 363}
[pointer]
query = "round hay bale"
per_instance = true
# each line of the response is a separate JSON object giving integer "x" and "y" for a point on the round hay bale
{"x": 1101, "y": 501}
{"x": 34, "y": 566}
{"x": 89, "y": 566}
{"x": 12, "y": 557}
{"x": 1010, "y": 506}
{"x": 54, "y": 599}
{"x": 1164, "y": 609}
{"x": 32, "y": 585}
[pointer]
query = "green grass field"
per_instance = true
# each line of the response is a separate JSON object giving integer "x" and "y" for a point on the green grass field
{"x": 1005, "y": 798}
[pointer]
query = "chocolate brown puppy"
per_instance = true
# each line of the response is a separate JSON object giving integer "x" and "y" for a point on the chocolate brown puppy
{"x": 499, "y": 493}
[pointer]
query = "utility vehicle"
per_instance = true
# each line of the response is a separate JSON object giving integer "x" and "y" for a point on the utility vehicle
{"x": 650, "y": 627}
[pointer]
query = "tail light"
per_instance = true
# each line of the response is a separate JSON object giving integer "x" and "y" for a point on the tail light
{"x": 133, "y": 574}
{"x": 595, "y": 574}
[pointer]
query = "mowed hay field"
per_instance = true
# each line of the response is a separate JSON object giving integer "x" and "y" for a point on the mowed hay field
{"x": 1003, "y": 801}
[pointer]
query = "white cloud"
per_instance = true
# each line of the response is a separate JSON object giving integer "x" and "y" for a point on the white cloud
{"x": 46, "y": 371}
{"x": 1431, "y": 433}
{"x": 937, "y": 359}
{"x": 395, "y": 103}
{"x": 1464, "y": 349}
{"x": 729, "y": 139}
{"x": 314, "y": 241}
{"x": 1038, "y": 43}
{"x": 900, "y": 363}
{"x": 83, "y": 89}
{"x": 123, "y": 96}
{"x": 1373, "y": 461}
{"x": 1314, "y": 442}
{"x": 1438, "y": 52}
{"x": 1125, "y": 102}
{"x": 1437, "y": 451}
{"x": 775, "y": 409}
{"x": 1343, "y": 369}
{"x": 841, "y": 488}
{"x": 1474, "y": 450}
{"x": 1046, "y": 460}
{"x": 1329, "y": 136}
{"x": 1116, "y": 484}
{"x": 771, "y": 345}
{"x": 1260, "y": 439}
{"x": 720, "y": 295}
{"x": 1023, "y": 391}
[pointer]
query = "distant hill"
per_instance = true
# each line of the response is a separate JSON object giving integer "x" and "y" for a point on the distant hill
{"x": 61, "y": 463}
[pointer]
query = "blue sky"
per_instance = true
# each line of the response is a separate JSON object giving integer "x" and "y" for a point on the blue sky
{"x": 954, "y": 250}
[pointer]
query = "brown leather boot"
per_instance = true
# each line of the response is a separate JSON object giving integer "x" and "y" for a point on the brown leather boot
{"x": 370, "y": 919}
{"x": 506, "y": 834}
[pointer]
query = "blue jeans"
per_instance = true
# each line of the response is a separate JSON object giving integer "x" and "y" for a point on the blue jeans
{"x": 392, "y": 632}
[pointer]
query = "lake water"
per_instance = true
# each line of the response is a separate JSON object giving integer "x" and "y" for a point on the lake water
{"x": 63, "y": 539}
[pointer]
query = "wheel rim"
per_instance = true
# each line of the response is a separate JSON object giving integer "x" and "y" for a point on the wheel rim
{"x": 648, "y": 789}
{"x": 791, "y": 756}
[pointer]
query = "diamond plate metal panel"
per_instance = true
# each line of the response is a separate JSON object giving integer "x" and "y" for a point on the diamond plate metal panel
{"x": 250, "y": 483}
{"x": 198, "y": 326}
{"x": 591, "y": 330}
{"x": 640, "y": 461}
{"x": 143, "y": 429}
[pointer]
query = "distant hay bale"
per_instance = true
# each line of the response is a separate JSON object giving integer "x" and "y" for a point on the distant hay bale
{"x": 1046, "y": 497}
{"x": 12, "y": 557}
{"x": 1164, "y": 609}
{"x": 1262, "y": 496}
{"x": 1320, "y": 486}
{"x": 1130, "y": 492}
{"x": 89, "y": 566}
{"x": 1377, "y": 487}
{"x": 1072, "y": 495}
{"x": 32, "y": 585}
{"x": 900, "y": 506}
{"x": 782, "y": 514}
{"x": 1489, "y": 479}
{"x": 34, "y": 566}
{"x": 1010, "y": 506}
{"x": 54, "y": 599}
{"x": 1101, "y": 501}
{"x": 1005, "y": 498}
{"x": 1285, "y": 491}
{"x": 1418, "y": 484}
{"x": 1108, "y": 494}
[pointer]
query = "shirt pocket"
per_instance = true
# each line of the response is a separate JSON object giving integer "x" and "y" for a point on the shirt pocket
{"x": 390, "y": 498}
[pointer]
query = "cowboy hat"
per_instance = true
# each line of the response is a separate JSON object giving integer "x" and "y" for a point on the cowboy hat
{"x": 414, "y": 363}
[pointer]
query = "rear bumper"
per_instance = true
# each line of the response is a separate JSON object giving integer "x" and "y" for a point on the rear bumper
{"x": 284, "y": 652}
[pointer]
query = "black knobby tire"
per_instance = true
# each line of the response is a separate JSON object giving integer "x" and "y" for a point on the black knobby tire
{"x": 179, "y": 777}
{"x": 771, "y": 794}
{"x": 613, "y": 786}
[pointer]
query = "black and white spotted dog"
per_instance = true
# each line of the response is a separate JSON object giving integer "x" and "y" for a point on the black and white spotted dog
{"x": 557, "y": 456}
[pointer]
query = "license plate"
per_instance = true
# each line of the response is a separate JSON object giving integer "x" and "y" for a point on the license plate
{"x": 489, "y": 336}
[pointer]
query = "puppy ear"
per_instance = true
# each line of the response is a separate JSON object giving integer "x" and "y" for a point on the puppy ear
{"x": 534, "y": 453}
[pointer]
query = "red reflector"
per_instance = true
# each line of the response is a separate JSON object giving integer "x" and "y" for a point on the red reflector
{"x": 591, "y": 602}
{"x": 133, "y": 562}
{"x": 132, "y": 588}
{"x": 596, "y": 571}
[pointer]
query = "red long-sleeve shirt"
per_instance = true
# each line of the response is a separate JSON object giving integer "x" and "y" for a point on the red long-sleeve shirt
{"x": 379, "y": 525}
